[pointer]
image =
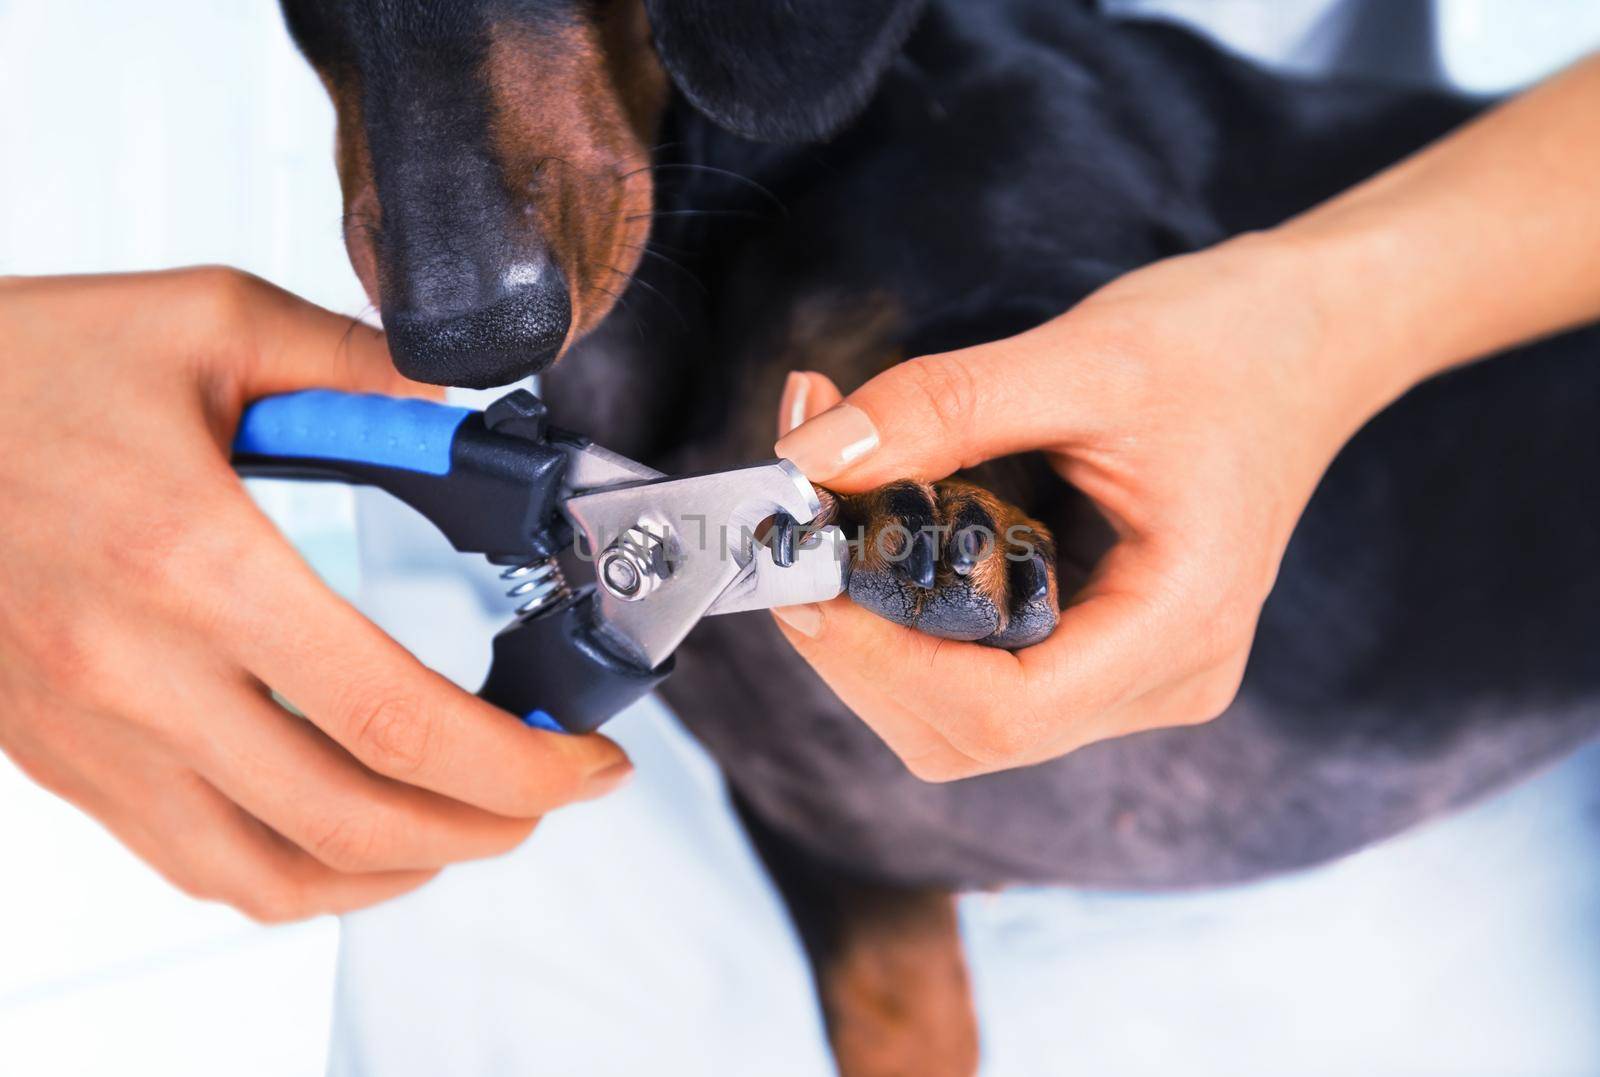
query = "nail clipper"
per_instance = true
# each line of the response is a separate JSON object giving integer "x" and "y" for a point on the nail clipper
{"x": 663, "y": 551}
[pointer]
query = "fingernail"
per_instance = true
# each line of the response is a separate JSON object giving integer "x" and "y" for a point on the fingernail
{"x": 826, "y": 445}
{"x": 608, "y": 780}
{"x": 792, "y": 407}
{"x": 806, "y": 619}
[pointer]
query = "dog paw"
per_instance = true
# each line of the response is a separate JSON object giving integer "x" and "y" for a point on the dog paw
{"x": 952, "y": 560}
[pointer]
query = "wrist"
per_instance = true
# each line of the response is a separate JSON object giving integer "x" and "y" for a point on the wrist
{"x": 1363, "y": 344}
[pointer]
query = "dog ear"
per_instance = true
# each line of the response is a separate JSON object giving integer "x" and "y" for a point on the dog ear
{"x": 794, "y": 71}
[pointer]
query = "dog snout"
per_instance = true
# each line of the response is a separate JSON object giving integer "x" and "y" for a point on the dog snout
{"x": 478, "y": 329}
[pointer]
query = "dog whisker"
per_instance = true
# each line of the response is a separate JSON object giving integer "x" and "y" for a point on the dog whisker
{"x": 669, "y": 248}
{"x": 622, "y": 305}
{"x": 699, "y": 213}
{"x": 685, "y": 270}
{"x": 711, "y": 170}
{"x": 538, "y": 166}
{"x": 358, "y": 321}
{"x": 649, "y": 152}
{"x": 653, "y": 290}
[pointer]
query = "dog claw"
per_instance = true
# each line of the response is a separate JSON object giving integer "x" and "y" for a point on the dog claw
{"x": 1035, "y": 578}
{"x": 967, "y": 550}
{"x": 919, "y": 562}
{"x": 782, "y": 539}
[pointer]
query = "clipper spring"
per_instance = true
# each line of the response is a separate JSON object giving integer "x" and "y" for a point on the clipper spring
{"x": 540, "y": 582}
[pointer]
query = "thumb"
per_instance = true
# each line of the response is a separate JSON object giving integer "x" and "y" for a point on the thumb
{"x": 299, "y": 345}
{"x": 929, "y": 417}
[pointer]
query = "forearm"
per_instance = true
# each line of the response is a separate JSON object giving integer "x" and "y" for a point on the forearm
{"x": 1488, "y": 238}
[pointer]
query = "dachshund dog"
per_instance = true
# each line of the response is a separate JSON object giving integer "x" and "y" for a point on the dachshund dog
{"x": 684, "y": 199}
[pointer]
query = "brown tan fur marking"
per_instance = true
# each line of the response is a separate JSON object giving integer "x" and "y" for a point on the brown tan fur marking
{"x": 362, "y": 213}
{"x": 572, "y": 114}
{"x": 895, "y": 990}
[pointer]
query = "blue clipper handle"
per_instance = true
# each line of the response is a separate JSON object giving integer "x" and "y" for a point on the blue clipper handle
{"x": 491, "y": 482}
{"x": 350, "y": 428}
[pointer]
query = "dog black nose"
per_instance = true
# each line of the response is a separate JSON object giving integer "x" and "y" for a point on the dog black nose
{"x": 478, "y": 330}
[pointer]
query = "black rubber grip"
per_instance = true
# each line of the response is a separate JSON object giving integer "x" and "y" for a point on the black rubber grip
{"x": 555, "y": 669}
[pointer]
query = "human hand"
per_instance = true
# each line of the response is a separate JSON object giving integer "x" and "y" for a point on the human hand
{"x": 148, "y": 610}
{"x": 1196, "y": 404}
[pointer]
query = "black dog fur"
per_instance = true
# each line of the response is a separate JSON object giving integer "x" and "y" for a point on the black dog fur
{"x": 930, "y": 178}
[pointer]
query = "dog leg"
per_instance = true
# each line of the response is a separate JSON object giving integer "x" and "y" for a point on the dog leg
{"x": 887, "y": 963}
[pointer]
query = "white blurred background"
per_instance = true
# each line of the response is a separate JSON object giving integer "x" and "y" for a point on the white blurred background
{"x": 134, "y": 136}
{"x": 140, "y": 135}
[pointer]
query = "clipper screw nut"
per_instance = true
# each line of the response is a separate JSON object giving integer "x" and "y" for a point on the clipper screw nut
{"x": 634, "y": 565}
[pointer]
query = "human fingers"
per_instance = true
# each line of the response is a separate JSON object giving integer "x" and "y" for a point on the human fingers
{"x": 285, "y": 772}
{"x": 211, "y": 849}
{"x": 251, "y": 336}
{"x": 170, "y": 817}
{"x": 871, "y": 697}
{"x": 931, "y": 416}
{"x": 1105, "y": 671}
{"x": 393, "y": 714}
{"x": 296, "y": 344}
